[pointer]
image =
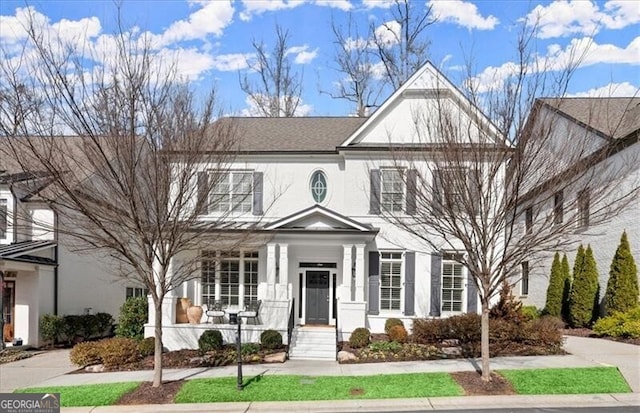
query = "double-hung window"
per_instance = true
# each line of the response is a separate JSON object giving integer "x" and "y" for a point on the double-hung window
{"x": 390, "y": 280}
{"x": 3, "y": 218}
{"x": 231, "y": 279}
{"x": 524, "y": 282}
{"x": 392, "y": 190}
{"x": 132, "y": 292}
{"x": 583, "y": 208}
{"x": 528, "y": 220}
{"x": 558, "y": 207}
{"x": 231, "y": 192}
{"x": 452, "y": 284}
{"x": 450, "y": 185}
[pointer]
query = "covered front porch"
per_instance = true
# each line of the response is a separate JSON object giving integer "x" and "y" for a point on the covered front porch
{"x": 311, "y": 271}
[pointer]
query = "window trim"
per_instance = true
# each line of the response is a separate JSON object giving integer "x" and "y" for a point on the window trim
{"x": 402, "y": 203}
{"x": 464, "y": 278}
{"x": 217, "y": 258}
{"x": 213, "y": 205}
{"x": 391, "y": 288}
{"x": 524, "y": 279}
{"x": 443, "y": 189}
{"x": 319, "y": 172}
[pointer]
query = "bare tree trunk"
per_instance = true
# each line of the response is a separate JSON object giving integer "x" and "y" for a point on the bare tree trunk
{"x": 157, "y": 355}
{"x": 484, "y": 341}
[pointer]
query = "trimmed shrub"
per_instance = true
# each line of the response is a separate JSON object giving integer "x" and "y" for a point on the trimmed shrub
{"x": 392, "y": 322}
{"x": 584, "y": 291}
{"x": 104, "y": 324}
{"x": 72, "y": 327}
{"x": 553, "y": 305}
{"x": 430, "y": 331}
{"x": 619, "y": 324}
{"x": 134, "y": 313}
{"x": 86, "y": 353}
{"x": 530, "y": 312}
{"x": 507, "y": 307}
{"x": 271, "y": 339}
{"x": 118, "y": 351}
{"x": 249, "y": 348}
{"x": 210, "y": 340}
{"x": 359, "y": 338}
{"x": 398, "y": 334}
{"x": 622, "y": 287}
{"x": 147, "y": 346}
{"x": 51, "y": 327}
{"x": 566, "y": 289}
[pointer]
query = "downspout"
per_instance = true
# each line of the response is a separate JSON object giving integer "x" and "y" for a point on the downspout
{"x": 55, "y": 282}
{"x": 1, "y": 310}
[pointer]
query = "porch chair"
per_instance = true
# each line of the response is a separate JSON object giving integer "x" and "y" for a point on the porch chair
{"x": 215, "y": 311}
{"x": 252, "y": 311}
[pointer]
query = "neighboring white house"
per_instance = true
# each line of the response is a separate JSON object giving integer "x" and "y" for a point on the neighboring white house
{"x": 592, "y": 124}
{"x": 315, "y": 186}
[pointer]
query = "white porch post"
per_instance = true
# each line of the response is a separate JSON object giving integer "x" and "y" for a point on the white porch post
{"x": 271, "y": 271}
{"x": 282, "y": 289}
{"x": 345, "y": 295}
{"x": 360, "y": 272}
{"x": 170, "y": 299}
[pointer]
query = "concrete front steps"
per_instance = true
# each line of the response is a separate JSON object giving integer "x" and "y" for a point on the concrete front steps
{"x": 313, "y": 343}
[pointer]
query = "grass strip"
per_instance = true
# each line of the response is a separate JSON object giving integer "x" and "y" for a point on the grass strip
{"x": 567, "y": 380}
{"x": 86, "y": 395}
{"x": 290, "y": 388}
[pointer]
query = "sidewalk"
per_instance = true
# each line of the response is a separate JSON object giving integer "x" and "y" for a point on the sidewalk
{"x": 48, "y": 370}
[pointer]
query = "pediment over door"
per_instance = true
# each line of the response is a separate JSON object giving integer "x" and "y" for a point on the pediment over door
{"x": 318, "y": 218}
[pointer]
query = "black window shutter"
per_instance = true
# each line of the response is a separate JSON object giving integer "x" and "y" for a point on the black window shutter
{"x": 472, "y": 295}
{"x": 203, "y": 192}
{"x": 409, "y": 283}
{"x": 374, "y": 282}
{"x": 257, "y": 194}
{"x": 412, "y": 187}
{"x": 374, "y": 195}
{"x": 436, "y": 281}
{"x": 437, "y": 192}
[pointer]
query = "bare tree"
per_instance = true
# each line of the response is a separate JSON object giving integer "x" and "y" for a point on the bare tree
{"x": 400, "y": 43}
{"x": 486, "y": 194}
{"x": 131, "y": 183}
{"x": 353, "y": 60}
{"x": 278, "y": 90}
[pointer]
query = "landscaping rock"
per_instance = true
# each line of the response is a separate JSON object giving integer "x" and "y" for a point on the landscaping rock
{"x": 346, "y": 356}
{"x": 275, "y": 358}
{"x": 451, "y": 351}
{"x": 96, "y": 368}
{"x": 453, "y": 342}
{"x": 196, "y": 360}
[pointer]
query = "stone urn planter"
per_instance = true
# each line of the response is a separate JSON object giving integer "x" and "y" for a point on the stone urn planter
{"x": 182, "y": 306}
{"x": 194, "y": 314}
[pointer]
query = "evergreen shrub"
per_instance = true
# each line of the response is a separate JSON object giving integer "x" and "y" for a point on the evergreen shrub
{"x": 134, "y": 314}
{"x": 553, "y": 304}
{"x": 391, "y": 322}
{"x": 271, "y": 339}
{"x": 584, "y": 290}
{"x": 359, "y": 338}
{"x": 210, "y": 340}
{"x": 622, "y": 288}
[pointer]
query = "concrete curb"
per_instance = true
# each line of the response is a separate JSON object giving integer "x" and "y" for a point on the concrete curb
{"x": 383, "y": 405}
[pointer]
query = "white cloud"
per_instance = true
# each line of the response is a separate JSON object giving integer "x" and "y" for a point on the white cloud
{"x": 232, "y": 61}
{"x": 381, "y": 4}
{"x": 563, "y": 18}
{"x": 212, "y": 18}
{"x": 624, "y": 89}
{"x": 303, "y": 54}
{"x": 343, "y": 5}
{"x": 257, "y": 7}
{"x": 388, "y": 33}
{"x": 462, "y": 13}
{"x": 583, "y": 52}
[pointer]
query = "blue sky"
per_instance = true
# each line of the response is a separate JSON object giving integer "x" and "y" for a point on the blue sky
{"x": 213, "y": 38}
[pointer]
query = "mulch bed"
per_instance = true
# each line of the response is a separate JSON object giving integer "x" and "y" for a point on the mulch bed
{"x": 473, "y": 385}
{"x": 147, "y": 394}
{"x": 586, "y": 332}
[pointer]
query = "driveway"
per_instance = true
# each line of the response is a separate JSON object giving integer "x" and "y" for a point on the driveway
{"x": 34, "y": 370}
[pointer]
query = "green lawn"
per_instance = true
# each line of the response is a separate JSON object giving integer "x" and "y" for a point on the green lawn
{"x": 86, "y": 395}
{"x": 567, "y": 381}
{"x": 287, "y": 388}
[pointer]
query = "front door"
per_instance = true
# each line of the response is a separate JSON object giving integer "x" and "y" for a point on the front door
{"x": 317, "y": 299}
{"x": 8, "y": 305}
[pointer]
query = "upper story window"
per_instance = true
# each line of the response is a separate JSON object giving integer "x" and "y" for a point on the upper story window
{"x": 390, "y": 280}
{"x": 558, "y": 207}
{"x": 231, "y": 192}
{"x": 319, "y": 186}
{"x": 392, "y": 190}
{"x": 528, "y": 220}
{"x": 448, "y": 187}
{"x": 524, "y": 282}
{"x": 3, "y": 218}
{"x": 583, "y": 208}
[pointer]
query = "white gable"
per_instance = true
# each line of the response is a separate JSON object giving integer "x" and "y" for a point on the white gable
{"x": 410, "y": 115}
{"x": 319, "y": 219}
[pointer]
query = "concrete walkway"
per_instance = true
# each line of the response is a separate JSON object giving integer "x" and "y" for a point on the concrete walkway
{"x": 48, "y": 370}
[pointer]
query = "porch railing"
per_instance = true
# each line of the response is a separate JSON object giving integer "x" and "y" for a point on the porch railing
{"x": 291, "y": 324}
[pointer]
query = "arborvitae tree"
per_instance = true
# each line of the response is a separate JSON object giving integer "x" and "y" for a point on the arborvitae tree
{"x": 553, "y": 306}
{"x": 622, "y": 288}
{"x": 584, "y": 291}
{"x": 566, "y": 288}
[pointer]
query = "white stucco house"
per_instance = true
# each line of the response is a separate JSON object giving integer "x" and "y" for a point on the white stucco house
{"x": 611, "y": 125}
{"x": 328, "y": 263}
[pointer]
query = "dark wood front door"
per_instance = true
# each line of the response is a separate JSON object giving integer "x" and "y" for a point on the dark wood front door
{"x": 317, "y": 298}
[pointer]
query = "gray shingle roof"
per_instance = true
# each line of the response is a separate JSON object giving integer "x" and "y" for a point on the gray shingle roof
{"x": 294, "y": 134}
{"x": 614, "y": 117}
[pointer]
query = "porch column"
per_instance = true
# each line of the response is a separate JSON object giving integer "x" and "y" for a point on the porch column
{"x": 282, "y": 288}
{"x": 271, "y": 271}
{"x": 345, "y": 296}
{"x": 360, "y": 272}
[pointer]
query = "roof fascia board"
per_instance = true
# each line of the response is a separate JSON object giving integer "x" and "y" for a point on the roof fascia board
{"x": 313, "y": 210}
